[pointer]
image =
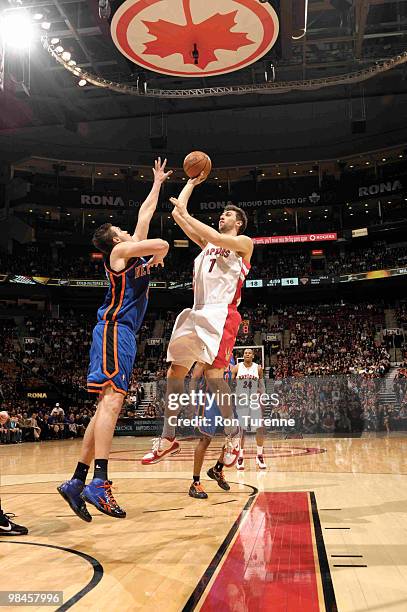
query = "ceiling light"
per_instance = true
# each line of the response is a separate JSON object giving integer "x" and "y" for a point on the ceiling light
{"x": 366, "y": 204}
{"x": 59, "y": 49}
{"x": 115, "y": 174}
{"x": 47, "y": 213}
{"x": 16, "y": 29}
{"x": 351, "y": 166}
{"x": 45, "y": 25}
{"x": 401, "y": 155}
{"x": 82, "y": 83}
{"x": 326, "y": 210}
{"x": 54, "y": 41}
{"x": 278, "y": 173}
{"x": 367, "y": 163}
{"x": 311, "y": 171}
{"x": 99, "y": 173}
{"x": 38, "y": 16}
{"x": 383, "y": 159}
{"x": 350, "y": 207}
{"x": 111, "y": 216}
{"x": 325, "y": 216}
{"x": 68, "y": 214}
{"x": 31, "y": 209}
{"x": 295, "y": 172}
{"x": 72, "y": 63}
{"x": 351, "y": 214}
{"x": 66, "y": 56}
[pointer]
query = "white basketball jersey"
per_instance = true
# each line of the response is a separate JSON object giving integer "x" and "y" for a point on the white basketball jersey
{"x": 247, "y": 379}
{"x": 219, "y": 275}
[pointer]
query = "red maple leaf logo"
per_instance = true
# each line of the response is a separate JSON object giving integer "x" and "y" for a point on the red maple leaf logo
{"x": 197, "y": 42}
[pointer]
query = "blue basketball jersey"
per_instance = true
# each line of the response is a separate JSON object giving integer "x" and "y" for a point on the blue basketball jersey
{"x": 127, "y": 297}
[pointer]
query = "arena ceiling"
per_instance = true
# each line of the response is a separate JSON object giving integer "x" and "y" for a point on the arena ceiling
{"x": 49, "y": 115}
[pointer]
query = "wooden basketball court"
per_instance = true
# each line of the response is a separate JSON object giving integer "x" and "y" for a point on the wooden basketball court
{"x": 324, "y": 528}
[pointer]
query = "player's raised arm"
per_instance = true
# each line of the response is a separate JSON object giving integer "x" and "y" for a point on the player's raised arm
{"x": 181, "y": 203}
{"x": 226, "y": 236}
{"x": 150, "y": 203}
{"x": 129, "y": 249}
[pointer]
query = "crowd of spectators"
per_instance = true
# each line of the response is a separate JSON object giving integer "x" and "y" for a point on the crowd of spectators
{"x": 268, "y": 262}
{"x": 294, "y": 262}
{"x": 331, "y": 342}
{"x": 332, "y": 339}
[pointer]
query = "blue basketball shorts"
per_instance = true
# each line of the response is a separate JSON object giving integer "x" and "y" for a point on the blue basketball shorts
{"x": 112, "y": 355}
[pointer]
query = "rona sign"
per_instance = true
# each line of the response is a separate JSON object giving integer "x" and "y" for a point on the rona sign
{"x": 388, "y": 187}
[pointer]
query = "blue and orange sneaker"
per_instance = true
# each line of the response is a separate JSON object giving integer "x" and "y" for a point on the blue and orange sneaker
{"x": 99, "y": 493}
{"x": 71, "y": 492}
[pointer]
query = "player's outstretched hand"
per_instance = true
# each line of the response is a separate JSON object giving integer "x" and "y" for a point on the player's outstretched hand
{"x": 3, "y": 417}
{"x": 159, "y": 171}
{"x": 156, "y": 261}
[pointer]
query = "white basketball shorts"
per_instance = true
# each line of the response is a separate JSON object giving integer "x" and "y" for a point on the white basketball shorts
{"x": 206, "y": 334}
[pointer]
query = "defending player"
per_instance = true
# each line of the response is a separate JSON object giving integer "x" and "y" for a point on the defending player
{"x": 249, "y": 385}
{"x": 206, "y": 332}
{"x": 113, "y": 348}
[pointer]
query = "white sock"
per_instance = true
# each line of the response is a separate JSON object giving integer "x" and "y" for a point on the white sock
{"x": 259, "y": 450}
{"x": 241, "y": 453}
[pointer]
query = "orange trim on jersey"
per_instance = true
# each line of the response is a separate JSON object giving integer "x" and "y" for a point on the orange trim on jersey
{"x": 116, "y": 356}
{"x": 113, "y": 296}
{"x": 138, "y": 259}
{"x": 104, "y": 347}
{"x": 104, "y": 350}
{"x": 102, "y": 385}
{"x": 121, "y": 298}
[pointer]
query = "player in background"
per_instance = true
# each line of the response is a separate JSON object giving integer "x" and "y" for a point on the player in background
{"x": 249, "y": 385}
{"x": 113, "y": 348}
{"x": 206, "y": 332}
{"x": 207, "y": 432}
{"x": 7, "y": 527}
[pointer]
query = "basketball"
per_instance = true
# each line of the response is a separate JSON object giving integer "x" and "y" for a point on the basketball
{"x": 197, "y": 162}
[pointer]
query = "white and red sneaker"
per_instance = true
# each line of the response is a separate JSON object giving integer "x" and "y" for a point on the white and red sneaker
{"x": 162, "y": 448}
{"x": 240, "y": 464}
{"x": 232, "y": 449}
{"x": 260, "y": 462}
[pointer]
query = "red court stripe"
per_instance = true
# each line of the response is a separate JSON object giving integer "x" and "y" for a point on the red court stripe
{"x": 271, "y": 565}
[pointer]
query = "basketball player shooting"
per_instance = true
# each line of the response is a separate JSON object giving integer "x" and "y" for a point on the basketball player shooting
{"x": 249, "y": 385}
{"x": 206, "y": 332}
{"x": 113, "y": 349}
